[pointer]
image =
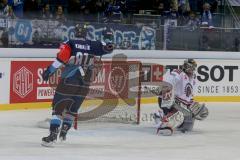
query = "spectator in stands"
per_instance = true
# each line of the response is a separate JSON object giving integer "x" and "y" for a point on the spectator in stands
{"x": 3, "y": 8}
{"x": 112, "y": 12}
{"x": 174, "y": 5}
{"x": 158, "y": 6}
{"x": 213, "y": 4}
{"x": 123, "y": 5}
{"x": 10, "y": 14}
{"x": 174, "y": 9}
{"x": 207, "y": 16}
{"x": 193, "y": 22}
{"x": 60, "y": 15}
{"x": 46, "y": 13}
{"x": 183, "y": 7}
{"x": 17, "y": 6}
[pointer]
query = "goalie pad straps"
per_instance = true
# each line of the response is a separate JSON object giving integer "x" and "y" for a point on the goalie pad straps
{"x": 200, "y": 111}
{"x": 182, "y": 108}
{"x": 195, "y": 108}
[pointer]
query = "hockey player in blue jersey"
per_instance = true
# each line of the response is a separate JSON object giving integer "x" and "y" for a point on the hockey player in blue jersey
{"x": 78, "y": 57}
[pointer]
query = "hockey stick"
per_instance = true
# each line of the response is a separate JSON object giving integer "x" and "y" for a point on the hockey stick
{"x": 163, "y": 86}
{"x": 155, "y": 92}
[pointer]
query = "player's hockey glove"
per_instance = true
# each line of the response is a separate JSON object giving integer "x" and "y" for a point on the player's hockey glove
{"x": 108, "y": 47}
{"x": 108, "y": 40}
{"x": 48, "y": 72}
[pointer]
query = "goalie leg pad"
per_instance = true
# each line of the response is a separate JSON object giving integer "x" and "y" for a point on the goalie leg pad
{"x": 175, "y": 119}
{"x": 203, "y": 114}
{"x": 187, "y": 124}
{"x": 170, "y": 122}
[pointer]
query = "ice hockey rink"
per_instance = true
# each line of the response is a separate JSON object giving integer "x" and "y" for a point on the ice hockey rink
{"x": 216, "y": 138}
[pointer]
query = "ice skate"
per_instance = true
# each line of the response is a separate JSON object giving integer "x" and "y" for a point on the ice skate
{"x": 63, "y": 132}
{"x": 165, "y": 131}
{"x": 49, "y": 140}
{"x": 62, "y": 136}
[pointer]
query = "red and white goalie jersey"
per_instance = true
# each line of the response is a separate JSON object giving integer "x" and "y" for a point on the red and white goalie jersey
{"x": 183, "y": 85}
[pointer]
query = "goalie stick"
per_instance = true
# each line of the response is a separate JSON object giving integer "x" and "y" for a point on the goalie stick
{"x": 153, "y": 91}
{"x": 164, "y": 86}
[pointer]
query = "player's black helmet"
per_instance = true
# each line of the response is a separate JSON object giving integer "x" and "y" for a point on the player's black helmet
{"x": 80, "y": 30}
{"x": 189, "y": 65}
{"x": 108, "y": 35}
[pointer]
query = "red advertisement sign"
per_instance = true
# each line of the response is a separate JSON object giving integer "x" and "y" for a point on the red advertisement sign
{"x": 157, "y": 73}
{"x": 27, "y": 84}
{"x": 152, "y": 72}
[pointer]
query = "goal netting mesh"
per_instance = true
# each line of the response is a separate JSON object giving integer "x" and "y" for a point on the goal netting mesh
{"x": 116, "y": 92}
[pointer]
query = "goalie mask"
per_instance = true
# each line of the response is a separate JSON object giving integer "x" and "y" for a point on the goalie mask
{"x": 189, "y": 66}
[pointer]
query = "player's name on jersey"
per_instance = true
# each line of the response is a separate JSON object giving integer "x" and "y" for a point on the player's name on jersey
{"x": 80, "y": 46}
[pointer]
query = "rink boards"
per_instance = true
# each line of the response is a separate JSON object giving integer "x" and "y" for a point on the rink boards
{"x": 218, "y": 75}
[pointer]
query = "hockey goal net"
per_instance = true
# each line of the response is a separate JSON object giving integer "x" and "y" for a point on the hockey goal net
{"x": 114, "y": 94}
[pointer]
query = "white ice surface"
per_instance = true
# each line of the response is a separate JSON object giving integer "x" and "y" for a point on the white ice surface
{"x": 216, "y": 138}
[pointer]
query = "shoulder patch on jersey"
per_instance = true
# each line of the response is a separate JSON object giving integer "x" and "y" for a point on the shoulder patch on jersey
{"x": 64, "y": 54}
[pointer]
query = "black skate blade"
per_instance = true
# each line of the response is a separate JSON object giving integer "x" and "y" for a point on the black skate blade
{"x": 165, "y": 131}
{"x": 48, "y": 144}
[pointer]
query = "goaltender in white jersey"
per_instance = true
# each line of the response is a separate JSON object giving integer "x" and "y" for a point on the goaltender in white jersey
{"x": 178, "y": 110}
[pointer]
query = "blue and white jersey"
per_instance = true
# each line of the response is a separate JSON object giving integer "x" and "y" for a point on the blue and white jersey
{"x": 78, "y": 55}
{"x": 80, "y": 52}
